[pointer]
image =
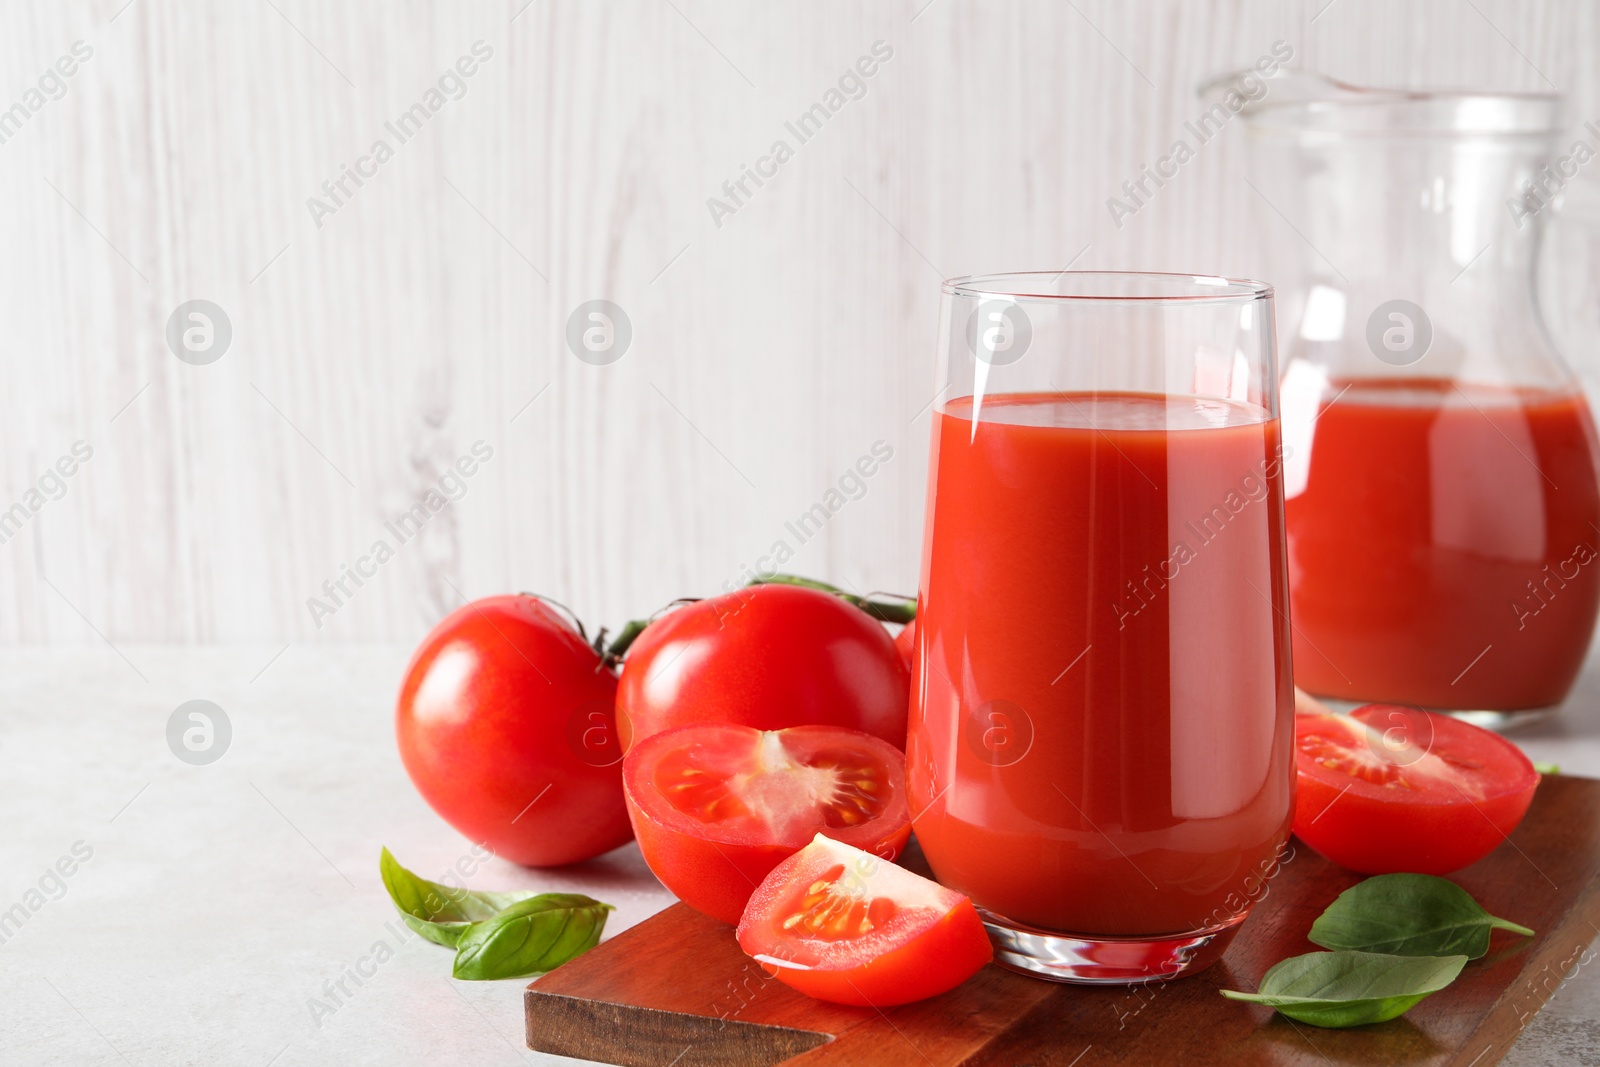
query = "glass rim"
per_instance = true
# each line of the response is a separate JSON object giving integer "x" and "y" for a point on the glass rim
{"x": 1410, "y": 116}
{"x": 1166, "y": 287}
{"x": 1309, "y": 105}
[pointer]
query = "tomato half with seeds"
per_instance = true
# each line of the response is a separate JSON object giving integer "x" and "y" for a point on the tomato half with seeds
{"x": 716, "y": 806}
{"x": 843, "y": 925}
{"x": 1391, "y": 788}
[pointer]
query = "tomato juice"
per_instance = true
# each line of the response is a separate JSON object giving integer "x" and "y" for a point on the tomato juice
{"x": 1441, "y": 551}
{"x": 1102, "y": 710}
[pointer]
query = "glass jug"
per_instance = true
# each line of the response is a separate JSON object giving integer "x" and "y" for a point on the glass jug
{"x": 1440, "y": 465}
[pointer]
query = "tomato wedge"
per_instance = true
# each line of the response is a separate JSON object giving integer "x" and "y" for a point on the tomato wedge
{"x": 716, "y": 806}
{"x": 1391, "y": 788}
{"x": 843, "y": 925}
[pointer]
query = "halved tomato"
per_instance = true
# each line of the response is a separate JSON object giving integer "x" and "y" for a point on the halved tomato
{"x": 1391, "y": 788}
{"x": 716, "y": 806}
{"x": 843, "y": 925}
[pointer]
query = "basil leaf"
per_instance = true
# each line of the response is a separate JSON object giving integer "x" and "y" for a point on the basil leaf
{"x": 536, "y": 935}
{"x": 1340, "y": 989}
{"x": 1547, "y": 768}
{"x": 440, "y": 913}
{"x": 1408, "y": 915}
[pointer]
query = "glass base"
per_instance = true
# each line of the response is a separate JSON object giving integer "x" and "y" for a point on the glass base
{"x": 1090, "y": 959}
{"x": 1501, "y": 722}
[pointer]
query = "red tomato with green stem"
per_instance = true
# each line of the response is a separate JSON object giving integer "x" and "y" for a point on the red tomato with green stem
{"x": 843, "y": 925}
{"x": 768, "y": 656}
{"x": 1391, "y": 788}
{"x": 507, "y": 727}
{"x": 716, "y": 806}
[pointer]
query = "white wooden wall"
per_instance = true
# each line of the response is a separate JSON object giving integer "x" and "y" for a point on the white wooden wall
{"x": 768, "y": 353}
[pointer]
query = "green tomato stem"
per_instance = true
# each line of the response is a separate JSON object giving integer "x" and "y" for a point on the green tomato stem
{"x": 893, "y": 609}
{"x": 900, "y": 609}
{"x": 625, "y": 639}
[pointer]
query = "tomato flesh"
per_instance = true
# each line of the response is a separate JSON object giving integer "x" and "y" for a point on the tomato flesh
{"x": 1391, "y": 788}
{"x": 843, "y": 925}
{"x": 828, "y": 915}
{"x": 717, "y": 806}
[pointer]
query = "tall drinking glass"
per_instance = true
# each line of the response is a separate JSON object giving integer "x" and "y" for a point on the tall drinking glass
{"x": 1100, "y": 752}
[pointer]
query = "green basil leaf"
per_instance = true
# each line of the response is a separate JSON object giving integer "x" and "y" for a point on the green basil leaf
{"x": 440, "y": 913}
{"x": 536, "y": 935}
{"x": 1547, "y": 768}
{"x": 1339, "y": 989}
{"x": 1408, "y": 915}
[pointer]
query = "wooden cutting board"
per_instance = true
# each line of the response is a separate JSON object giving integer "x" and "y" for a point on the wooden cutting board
{"x": 675, "y": 990}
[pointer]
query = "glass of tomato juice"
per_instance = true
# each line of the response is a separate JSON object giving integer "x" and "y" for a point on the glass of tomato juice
{"x": 1100, "y": 751}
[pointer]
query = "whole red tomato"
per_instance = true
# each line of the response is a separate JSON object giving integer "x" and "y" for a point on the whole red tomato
{"x": 507, "y": 727}
{"x": 767, "y": 656}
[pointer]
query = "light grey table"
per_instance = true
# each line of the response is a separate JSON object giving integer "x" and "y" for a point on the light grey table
{"x": 219, "y": 903}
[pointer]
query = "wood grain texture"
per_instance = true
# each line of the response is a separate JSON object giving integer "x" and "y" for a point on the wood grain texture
{"x": 677, "y": 990}
{"x": 428, "y": 313}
